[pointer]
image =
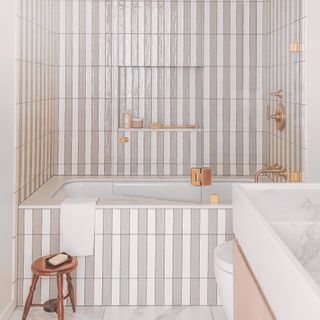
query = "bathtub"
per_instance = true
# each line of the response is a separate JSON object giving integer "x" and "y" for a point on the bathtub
{"x": 133, "y": 191}
{"x": 154, "y": 238}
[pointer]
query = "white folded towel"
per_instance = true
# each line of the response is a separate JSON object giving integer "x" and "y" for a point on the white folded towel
{"x": 77, "y": 220}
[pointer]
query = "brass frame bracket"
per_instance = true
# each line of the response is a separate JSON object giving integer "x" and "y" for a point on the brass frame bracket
{"x": 201, "y": 176}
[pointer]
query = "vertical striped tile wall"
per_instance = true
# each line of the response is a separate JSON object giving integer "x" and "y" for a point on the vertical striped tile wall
{"x": 35, "y": 96}
{"x": 141, "y": 256}
{"x": 286, "y": 72}
{"x": 176, "y": 62}
{"x": 35, "y": 103}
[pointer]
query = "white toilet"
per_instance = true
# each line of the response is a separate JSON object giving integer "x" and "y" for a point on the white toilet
{"x": 223, "y": 268}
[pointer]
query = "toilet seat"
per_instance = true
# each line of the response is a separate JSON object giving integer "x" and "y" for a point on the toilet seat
{"x": 223, "y": 256}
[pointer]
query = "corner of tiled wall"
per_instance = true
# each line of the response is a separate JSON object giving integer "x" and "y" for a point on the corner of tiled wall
{"x": 286, "y": 71}
{"x": 35, "y": 100}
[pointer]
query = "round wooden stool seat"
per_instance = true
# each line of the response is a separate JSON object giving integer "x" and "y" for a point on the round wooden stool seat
{"x": 41, "y": 269}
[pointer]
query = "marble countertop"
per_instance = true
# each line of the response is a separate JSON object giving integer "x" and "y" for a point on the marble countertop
{"x": 295, "y": 216}
{"x": 278, "y": 228}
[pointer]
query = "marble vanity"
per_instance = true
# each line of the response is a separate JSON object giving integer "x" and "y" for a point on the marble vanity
{"x": 278, "y": 230}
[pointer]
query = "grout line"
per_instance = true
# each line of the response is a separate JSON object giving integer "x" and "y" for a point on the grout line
{"x": 104, "y": 313}
{"x": 211, "y": 313}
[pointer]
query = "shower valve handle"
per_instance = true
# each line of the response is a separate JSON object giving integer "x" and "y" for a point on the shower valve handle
{"x": 279, "y": 93}
{"x": 278, "y": 116}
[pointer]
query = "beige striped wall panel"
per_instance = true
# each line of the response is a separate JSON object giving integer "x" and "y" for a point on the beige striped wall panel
{"x": 141, "y": 256}
{"x": 35, "y": 96}
{"x": 174, "y": 62}
{"x": 286, "y": 72}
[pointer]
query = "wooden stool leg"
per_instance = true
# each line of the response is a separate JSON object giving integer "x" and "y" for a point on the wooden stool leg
{"x": 30, "y": 296}
{"x": 71, "y": 292}
{"x": 60, "y": 310}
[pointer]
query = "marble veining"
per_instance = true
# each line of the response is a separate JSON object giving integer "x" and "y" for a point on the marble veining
{"x": 130, "y": 313}
{"x": 297, "y": 213}
{"x": 287, "y": 204}
{"x": 283, "y": 244}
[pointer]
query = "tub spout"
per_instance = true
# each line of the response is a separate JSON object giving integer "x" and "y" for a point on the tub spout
{"x": 275, "y": 169}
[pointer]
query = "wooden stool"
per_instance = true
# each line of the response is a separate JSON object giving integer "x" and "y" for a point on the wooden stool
{"x": 39, "y": 268}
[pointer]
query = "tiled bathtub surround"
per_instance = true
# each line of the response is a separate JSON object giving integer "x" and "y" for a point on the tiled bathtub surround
{"x": 286, "y": 72}
{"x": 175, "y": 62}
{"x": 141, "y": 256}
{"x": 35, "y": 97}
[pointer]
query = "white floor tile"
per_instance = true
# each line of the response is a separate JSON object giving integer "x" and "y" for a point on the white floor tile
{"x": 218, "y": 313}
{"x": 83, "y": 313}
{"x": 128, "y": 313}
{"x": 158, "y": 313}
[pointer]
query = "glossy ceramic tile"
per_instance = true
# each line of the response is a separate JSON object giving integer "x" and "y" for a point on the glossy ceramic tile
{"x": 171, "y": 62}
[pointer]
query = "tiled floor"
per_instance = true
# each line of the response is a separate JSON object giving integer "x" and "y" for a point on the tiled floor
{"x": 130, "y": 313}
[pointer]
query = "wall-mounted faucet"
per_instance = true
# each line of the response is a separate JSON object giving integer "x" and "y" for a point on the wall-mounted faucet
{"x": 274, "y": 169}
{"x": 293, "y": 176}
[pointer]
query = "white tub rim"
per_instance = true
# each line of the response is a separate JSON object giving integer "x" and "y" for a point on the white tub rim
{"x": 42, "y": 198}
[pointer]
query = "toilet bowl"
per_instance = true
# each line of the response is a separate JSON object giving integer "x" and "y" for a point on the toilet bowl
{"x": 223, "y": 268}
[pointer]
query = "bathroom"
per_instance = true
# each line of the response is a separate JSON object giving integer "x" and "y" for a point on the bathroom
{"x": 151, "y": 140}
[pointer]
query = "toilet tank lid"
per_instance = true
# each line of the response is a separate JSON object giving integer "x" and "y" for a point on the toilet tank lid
{"x": 224, "y": 256}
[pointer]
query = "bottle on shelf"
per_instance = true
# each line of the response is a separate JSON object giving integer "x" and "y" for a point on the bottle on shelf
{"x": 127, "y": 117}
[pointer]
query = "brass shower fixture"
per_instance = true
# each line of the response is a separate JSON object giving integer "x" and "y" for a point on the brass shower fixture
{"x": 123, "y": 140}
{"x": 293, "y": 176}
{"x": 279, "y": 117}
{"x": 279, "y": 94}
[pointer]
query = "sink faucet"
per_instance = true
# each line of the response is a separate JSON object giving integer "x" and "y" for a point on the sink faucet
{"x": 274, "y": 169}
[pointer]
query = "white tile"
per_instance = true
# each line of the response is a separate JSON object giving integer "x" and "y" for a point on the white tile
{"x": 97, "y": 292}
{"x": 186, "y": 256}
{"x": 151, "y": 221}
{"x": 153, "y": 313}
{"x": 115, "y": 292}
{"x": 133, "y": 298}
{"x": 28, "y": 221}
{"x": 168, "y": 255}
{"x": 99, "y": 222}
{"x": 116, "y": 256}
{"x": 218, "y": 313}
{"x": 98, "y": 256}
{"x": 46, "y": 221}
{"x": 82, "y": 313}
{"x": 133, "y": 256}
{"x": 186, "y": 290}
